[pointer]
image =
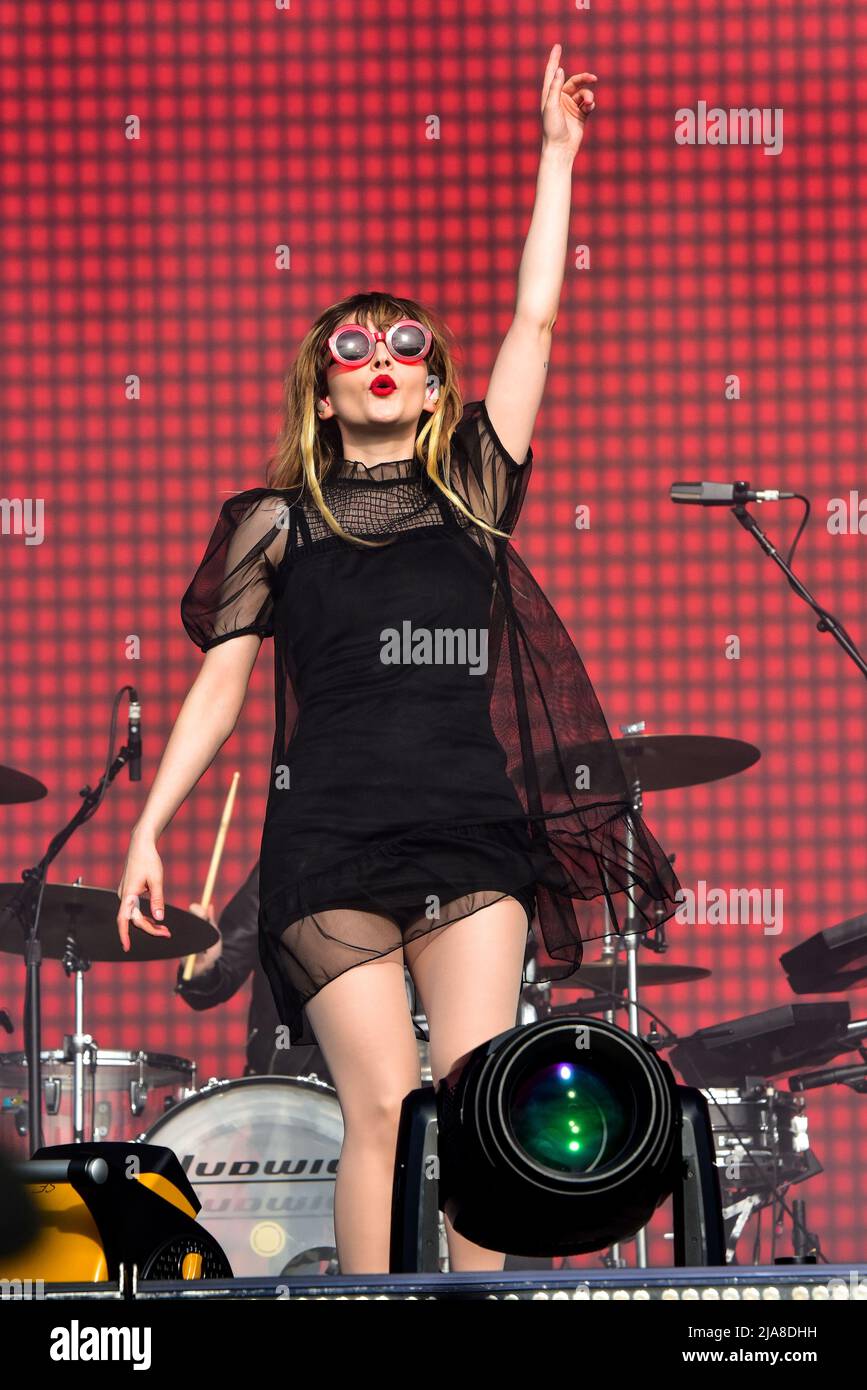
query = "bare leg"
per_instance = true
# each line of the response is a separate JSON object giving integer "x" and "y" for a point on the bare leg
{"x": 363, "y": 1026}
{"x": 468, "y": 974}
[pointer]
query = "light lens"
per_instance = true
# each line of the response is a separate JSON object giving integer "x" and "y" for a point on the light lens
{"x": 568, "y": 1118}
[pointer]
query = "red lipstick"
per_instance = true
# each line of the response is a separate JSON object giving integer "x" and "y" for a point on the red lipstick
{"x": 382, "y": 385}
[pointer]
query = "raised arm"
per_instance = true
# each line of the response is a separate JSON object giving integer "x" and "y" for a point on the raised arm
{"x": 520, "y": 372}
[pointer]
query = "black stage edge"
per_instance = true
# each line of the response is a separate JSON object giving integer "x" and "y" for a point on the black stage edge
{"x": 800, "y": 1287}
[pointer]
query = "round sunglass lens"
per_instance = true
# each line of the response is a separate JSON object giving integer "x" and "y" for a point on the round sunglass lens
{"x": 408, "y": 340}
{"x": 352, "y": 345}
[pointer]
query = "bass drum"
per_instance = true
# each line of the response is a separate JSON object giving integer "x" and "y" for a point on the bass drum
{"x": 261, "y": 1153}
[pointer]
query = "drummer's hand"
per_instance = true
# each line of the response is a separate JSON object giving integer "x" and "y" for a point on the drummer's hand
{"x": 205, "y": 959}
{"x": 210, "y": 916}
{"x": 143, "y": 873}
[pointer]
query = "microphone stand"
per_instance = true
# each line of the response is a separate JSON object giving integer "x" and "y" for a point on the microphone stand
{"x": 827, "y": 622}
{"x": 28, "y": 901}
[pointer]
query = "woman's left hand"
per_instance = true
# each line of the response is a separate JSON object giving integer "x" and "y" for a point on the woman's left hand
{"x": 566, "y": 104}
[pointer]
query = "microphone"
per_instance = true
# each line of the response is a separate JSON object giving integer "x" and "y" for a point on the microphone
{"x": 831, "y": 1076}
{"x": 723, "y": 494}
{"x": 133, "y": 737}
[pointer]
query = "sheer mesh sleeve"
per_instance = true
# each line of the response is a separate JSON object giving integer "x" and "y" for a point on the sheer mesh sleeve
{"x": 231, "y": 592}
{"x": 486, "y": 478}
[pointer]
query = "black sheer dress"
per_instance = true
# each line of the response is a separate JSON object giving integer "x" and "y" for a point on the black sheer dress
{"x": 438, "y": 742}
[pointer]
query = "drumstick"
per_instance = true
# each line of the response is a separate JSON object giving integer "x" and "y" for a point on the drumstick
{"x": 215, "y": 863}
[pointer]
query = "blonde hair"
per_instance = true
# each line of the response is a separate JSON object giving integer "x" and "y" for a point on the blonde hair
{"x": 307, "y": 450}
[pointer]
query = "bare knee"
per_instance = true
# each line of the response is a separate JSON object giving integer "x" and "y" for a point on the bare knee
{"x": 363, "y": 1025}
{"x": 374, "y": 1121}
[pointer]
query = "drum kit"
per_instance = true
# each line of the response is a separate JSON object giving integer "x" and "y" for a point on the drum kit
{"x": 261, "y": 1151}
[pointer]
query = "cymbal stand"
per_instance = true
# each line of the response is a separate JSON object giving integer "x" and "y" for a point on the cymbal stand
{"x": 610, "y": 947}
{"x": 26, "y": 907}
{"x": 79, "y": 1043}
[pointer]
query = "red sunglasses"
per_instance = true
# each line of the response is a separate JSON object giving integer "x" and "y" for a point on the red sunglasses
{"x": 353, "y": 344}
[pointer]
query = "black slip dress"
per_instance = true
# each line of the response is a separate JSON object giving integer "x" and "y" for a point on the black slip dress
{"x": 438, "y": 744}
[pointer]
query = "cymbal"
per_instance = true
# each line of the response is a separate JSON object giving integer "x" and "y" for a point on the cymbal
{"x": 89, "y": 916}
{"x": 651, "y": 972}
{"x": 18, "y": 786}
{"x": 662, "y": 761}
